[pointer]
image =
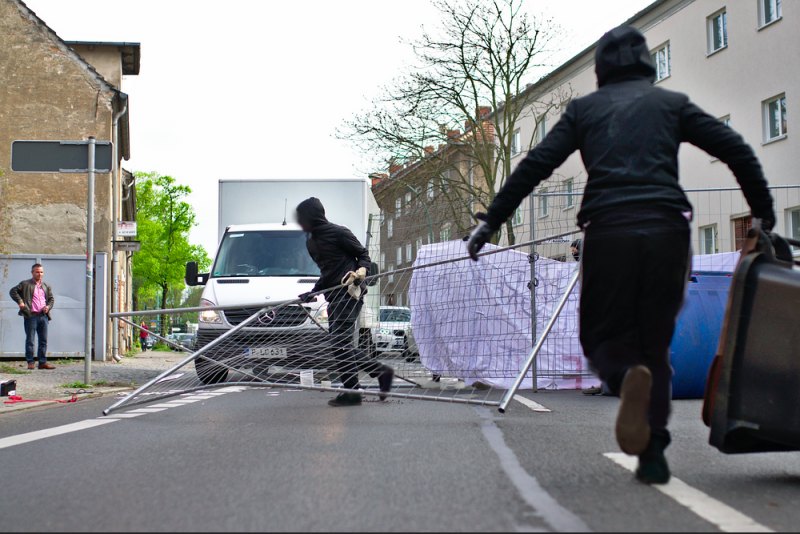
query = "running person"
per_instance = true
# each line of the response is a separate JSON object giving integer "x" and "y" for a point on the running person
{"x": 636, "y": 249}
{"x": 340, "y": 256}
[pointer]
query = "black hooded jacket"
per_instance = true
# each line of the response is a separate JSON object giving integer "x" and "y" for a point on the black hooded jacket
{"x": 334, "y": 248}
{"x": 629, "y": 132}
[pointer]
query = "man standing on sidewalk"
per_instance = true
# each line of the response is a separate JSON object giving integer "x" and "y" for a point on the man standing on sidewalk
{"x": 35, "y": 299}
{"x": 341, "y": 258}
{"x": 635, "y": 253}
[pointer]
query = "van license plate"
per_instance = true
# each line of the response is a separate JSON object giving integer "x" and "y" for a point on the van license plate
{"x": 266, "y": 352}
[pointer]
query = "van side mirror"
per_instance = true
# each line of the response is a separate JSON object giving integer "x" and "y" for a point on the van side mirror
{"x": 192, "y": 277}
{"x": 373, "y": 270}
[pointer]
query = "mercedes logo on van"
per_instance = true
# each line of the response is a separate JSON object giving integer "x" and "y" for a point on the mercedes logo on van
{"x": 269, "y": 316}
{"x": 267, "y": 297}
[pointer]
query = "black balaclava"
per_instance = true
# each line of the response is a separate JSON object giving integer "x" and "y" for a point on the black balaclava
{"x": 621, "y": 55}
{"x": 310, "y": 214}
{"x": 577, "y": 246}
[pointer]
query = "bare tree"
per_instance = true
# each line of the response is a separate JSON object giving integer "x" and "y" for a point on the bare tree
{"x": 457, "y": 109}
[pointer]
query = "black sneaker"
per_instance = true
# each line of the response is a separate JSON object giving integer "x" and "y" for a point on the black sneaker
{"x": 385, "y": 381}
{"x": 346, "y": 399}
{"x": 653, "y": 467}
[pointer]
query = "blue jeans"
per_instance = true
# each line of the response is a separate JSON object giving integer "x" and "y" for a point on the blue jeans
{"x": 36, "y": 325}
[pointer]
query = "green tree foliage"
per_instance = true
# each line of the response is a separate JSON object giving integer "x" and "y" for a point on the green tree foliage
{"x": 164, "y": 220}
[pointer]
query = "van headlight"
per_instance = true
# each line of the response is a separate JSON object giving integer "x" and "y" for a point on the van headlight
{"x": 209, "y": 316}
{"x": 385, "y": 332}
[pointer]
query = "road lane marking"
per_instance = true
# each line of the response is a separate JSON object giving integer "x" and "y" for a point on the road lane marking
{"x": 167, "y": 405}
{"x": 535, "y": 406}
{"x": 127, "y": 415}
{"x": 147, "y": 410}
{"x": 546, "y": 507}
{"x": 50, "y": 432}
{"x": 718, "y": 514}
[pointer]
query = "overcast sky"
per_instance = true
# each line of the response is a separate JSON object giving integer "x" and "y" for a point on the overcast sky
{"x": 256, "y": 89}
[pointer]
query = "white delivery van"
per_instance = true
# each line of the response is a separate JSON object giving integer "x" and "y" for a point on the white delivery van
{"x": 262, "y": 258}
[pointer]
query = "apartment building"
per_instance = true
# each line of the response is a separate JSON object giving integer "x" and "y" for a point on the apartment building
{"x": 731, "y": 59}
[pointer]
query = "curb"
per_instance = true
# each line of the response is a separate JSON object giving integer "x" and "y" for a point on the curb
{"x": 13, "y": 408}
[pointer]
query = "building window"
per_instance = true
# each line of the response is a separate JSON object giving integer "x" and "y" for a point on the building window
{"x": 717, "y": 31}
{"x": 516, "y": 145}
{"x": 430, "y": 190}
{"x": 793, "y": 226}
{"x": 708, "y": 240}
{"x": 444, "y": 235}
{"x": 775, "y": 118}
{"x": 543, "y": 205}
{"x": 383, "y": 261}
{"x": 391, "y": 272}
{"x": 398, "y": 207}
{"x": 541, "y": 129}
{"x": 768, "y": 11}
{"x": 408, "y": 199}
{"x": 390, "y": 228}
{"x": 662, "y": 61}
{"x": 516, "y": 219}
{"x": 741, "y": 225}
{"x": 383, "y": 218}
{"x": 399, "y": 255}
{"x": 569, "y": 197}
{"x": 409, "y": 253}
{"x": 419, "y": 245}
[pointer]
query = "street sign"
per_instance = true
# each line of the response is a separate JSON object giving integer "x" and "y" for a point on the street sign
{"x": 126, "y": 228}
{"x": 60, "y": 156}
{"x": 127, "y": 246}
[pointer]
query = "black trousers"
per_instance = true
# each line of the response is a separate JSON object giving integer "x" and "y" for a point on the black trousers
{"x": 632, "y": 289}
{"x": 343, "y": 312}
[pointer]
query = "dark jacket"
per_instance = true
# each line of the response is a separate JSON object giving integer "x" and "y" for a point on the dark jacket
{"x": 23, "y": 292}
{"x": 334, "y": 248}
{"x": 629, "y": 132}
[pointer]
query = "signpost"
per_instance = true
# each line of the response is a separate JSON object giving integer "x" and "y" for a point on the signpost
{"x": 126, "y": 228}
{"x": 127, "y": 246}
{"x": 88, "y": 157}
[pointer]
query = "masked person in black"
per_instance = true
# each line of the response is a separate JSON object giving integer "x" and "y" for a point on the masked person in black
{"x": 636, "y": 248}
{"x": 341, "y": 258}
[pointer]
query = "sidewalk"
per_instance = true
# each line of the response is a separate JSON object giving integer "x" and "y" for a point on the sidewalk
{"x": 107, "y": 377}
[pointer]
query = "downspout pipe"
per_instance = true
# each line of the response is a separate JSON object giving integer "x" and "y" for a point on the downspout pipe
{"x": 115, "y": 187}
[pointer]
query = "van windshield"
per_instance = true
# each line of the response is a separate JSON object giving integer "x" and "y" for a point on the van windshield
{"x": 395, "y": 315}
{"x": 265, "y": 253}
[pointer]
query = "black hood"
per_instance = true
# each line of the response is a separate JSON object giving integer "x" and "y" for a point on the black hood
{"x": 311, "y": 213}
{"x": 622, "y": 54}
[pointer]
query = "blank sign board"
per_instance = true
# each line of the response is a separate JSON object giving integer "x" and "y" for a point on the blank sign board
{"x": 59, "y": 156}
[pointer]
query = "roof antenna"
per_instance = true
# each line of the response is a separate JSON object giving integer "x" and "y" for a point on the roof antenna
{"x": 285, "y": 210}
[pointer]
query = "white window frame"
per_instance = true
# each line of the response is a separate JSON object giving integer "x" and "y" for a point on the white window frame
{"x": 431, "y": 190}
{"x": 541, "y": 128}
{"x": 444, "y": 234}
{"x": 419, "y": 245}
{"x": 569, "y": 198}
{"x": 790, "y": 228}
{"x": 762, "y": 15}
{"x": 383, "y": 260}
{"x": 516, "y": 143}
{"x": 516, "y": 218}
{"x": 782, "y": 122}
{"x": 714, "y": 239}
{"x": 654, "y": 55}
{"x": 711, "y": 25}
{"x": 398, "y": 208}
{"x": 409, "y": 253}
{"x": 408, "y": 199}
{"x": 542, "y": 205}
{"x": 399, "y": 256}
{"x": 390, "y": 268}
{"x": 726, "y": 120}
{"x": 390, "y": 228}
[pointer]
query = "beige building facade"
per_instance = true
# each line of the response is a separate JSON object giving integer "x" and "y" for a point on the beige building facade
{"x": 57, "y": 90}
{"x": 733, "y": 59}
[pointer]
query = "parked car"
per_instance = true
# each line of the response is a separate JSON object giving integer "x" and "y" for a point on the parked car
{"x": 149, "y": 342}
{"x": 395, "y": 333}
{"x": 184, "y": 340}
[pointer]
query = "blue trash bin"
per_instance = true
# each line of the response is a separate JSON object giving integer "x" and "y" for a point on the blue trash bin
{"x": 697, "y": 332}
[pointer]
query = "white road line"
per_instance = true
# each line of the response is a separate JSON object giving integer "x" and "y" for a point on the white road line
{"x": 50, "y": 432}
{"x": 127, "y": 415}
{"x": 147, "y": 410}
{"x": 166, "y": 405}
{"x": 535, "y": 406}
{"x": 545, "y": 506}
{"x": 720, "y": 515}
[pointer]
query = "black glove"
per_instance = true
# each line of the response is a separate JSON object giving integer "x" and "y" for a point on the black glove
{"x": 768, "y": 222}
{"x": 307, "y": 297}
{"x": 481, "y": 235}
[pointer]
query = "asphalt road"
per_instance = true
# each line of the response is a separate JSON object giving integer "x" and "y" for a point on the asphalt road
{"x": 283, "y": 460}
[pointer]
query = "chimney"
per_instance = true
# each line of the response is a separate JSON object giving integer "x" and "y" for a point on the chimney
{"x": 376, "y": 178}
{"x": 484, "y": 111}
{"x": 428, "y": 150}
{"x": 453, "y": 134}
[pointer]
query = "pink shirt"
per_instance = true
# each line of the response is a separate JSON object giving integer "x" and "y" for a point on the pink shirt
{"x": 39, "y": 299}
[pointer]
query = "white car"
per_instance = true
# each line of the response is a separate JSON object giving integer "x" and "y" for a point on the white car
{"x": 395, "y": 333}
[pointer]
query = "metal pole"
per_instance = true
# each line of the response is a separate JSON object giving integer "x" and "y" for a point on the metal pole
{"x": 533, "y": 285}
{"x": 87, "y": 361}
{"x": 535, "y": 351}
